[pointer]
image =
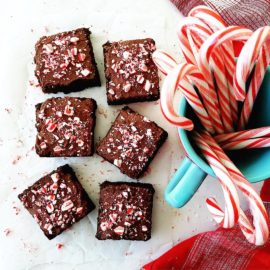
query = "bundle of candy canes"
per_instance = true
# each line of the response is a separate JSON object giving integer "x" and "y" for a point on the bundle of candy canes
{"x": 214, "y": 84}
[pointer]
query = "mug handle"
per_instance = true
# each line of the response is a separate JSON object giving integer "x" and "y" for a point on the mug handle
{"x": 184, "y": 184}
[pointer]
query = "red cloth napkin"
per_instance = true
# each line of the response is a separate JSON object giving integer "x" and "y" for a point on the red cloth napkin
{"x": 222, "y": 249}
{"x": 249, "y": 13}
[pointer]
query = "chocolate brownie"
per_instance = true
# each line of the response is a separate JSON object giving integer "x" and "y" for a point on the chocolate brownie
{"x": 125, "y": 211}
{"x": 130, "y": 72}
{"x": 65, "y": 62}
{"x": 56, "y": 201}
{"x": 131, "y": 143}
{"x": 65, "y": 127}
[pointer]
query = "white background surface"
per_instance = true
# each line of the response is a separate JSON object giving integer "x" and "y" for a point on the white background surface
{"x": 21, "y": 24}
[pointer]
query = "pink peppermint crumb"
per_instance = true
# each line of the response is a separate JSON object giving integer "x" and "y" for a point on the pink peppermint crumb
{"x": 8, "y": 110}
{"x": 7, "y": 232}
{"x": 59, "y": 245}
{"x": 17, "y": 210}
{"x": 17, "y": 158}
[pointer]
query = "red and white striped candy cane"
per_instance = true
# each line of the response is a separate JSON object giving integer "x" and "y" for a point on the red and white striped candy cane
{"x": 166, "y": 64}
{"x": 200, "y": 32}
{"x": 246, "y": 144}
{"x": 229, "y": 217}
{"x": 216, "y": 23}
{"x": 247, "y": 59}
{"x": 208, "y": 16}
{"x": 257, "y": 78}
{"x": 214, "y": 41}
{"x": 169, "y": 87}
{"x": 243, "y": 135}
{"x": 259, "y": 234}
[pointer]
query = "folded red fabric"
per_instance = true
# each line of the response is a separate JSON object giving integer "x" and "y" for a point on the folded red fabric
{"x": 222, "y": 249}
{"x": 249, "y": 13}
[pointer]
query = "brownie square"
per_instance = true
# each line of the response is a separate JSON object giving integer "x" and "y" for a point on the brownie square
{"x": 130, "y": 72}
{"x": 131, "y": 143}
{"x": 65, "y": 127}
{"x": 125, "y": 211}
{"x": 65, "y": 62}
{"x": 56, "y": 201}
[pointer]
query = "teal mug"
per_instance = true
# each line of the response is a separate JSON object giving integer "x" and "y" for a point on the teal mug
{"x": 253, "y": 163}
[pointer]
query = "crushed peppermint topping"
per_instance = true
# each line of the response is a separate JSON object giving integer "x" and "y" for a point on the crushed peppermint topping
{"x": 49, "y": 208}
{"x": 140, "y": 79}
{"x": 144, "y": 228}
{"x": 51, "y": 127}
{"x": 104, "y": 226}
{"x": 55, "y": 177}
{"x": 69, "y": 110}
{"x": 117, "y": 162}
{"x": 147, "y": 86}
{"x": 74, "y": 39}
{"x": 60, "y": 58}
{"x": 58, "y": 149}
{"x": 119, "y": 230}
{"x": 67, "y": 205}
{"x": 111, "y": 92}
{"x": 43, "y": 145}
{"x": 81, "y": 57}
{"x": 85, "y": 72}
{"x": 127, "y": 87}
{"x": 80, "y": 142}
{"x": 126, "y": 55}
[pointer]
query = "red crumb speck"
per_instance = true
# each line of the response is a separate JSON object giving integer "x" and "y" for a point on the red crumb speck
{"x": 102, "y": 161}
{"x": 59, "y": 245}
{"x": 16, "y": 160}
{"x": 7, "y": 232}
{"x": 33, "y": 83}
{"x": 17, "y": 210}
{"x": 128, "y": 253}
{"x": 8, "y": 110}
{"x": 14, "y": 188}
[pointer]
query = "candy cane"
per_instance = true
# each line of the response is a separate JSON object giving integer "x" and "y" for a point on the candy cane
{"x": 216, "y": 23}
{"x": 200, "y": 33}
{"x": 209, "y": 46}
{"x": 243, "y": 135}
{"x": 169, "y": 87}
{"x": 166, "y": 102}
{"x": 257, "y": 78}
{"x": 229, "y": 217}
{"x": 247, "y": 59}
{"x": 246, "y": 144}
{"x": 166, "y": 63}
{"x": 259, "y": 234}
